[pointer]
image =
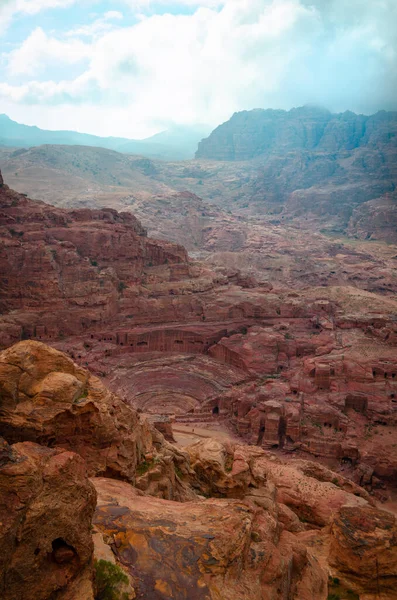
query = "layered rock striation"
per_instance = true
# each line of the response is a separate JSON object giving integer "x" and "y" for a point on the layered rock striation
{"x": 49, "y": 400}
{"x": 73, "y": 268}
{"x": 307, "y": 371}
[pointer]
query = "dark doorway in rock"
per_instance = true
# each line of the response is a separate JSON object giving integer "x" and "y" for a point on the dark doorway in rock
{"x": 261, "y": 434}
{"x": 357, "y": 403}
{"x": 282, "y": 428}
{"x": 215, "y": 410}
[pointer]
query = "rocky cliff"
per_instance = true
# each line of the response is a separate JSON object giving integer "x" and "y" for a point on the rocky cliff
{"x": 78, "y": 268}
{"x": 309, "y": 164}
{"x": 46, "y": 508}
{"x": 257, "y": 132}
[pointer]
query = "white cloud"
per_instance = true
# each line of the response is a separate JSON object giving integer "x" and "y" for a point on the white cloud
{"x": 33, "y": 7}
{"x": 202, "y": 67}
{"x": 141, "y": 4}
{"x": 98, "y": 27}
{"x": 113, "y": 14}
{"x": 40, "y": 50}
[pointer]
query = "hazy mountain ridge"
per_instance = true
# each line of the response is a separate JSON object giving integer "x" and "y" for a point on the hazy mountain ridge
{"x": 334, "y": 172}
{"x": 177, "y": 143}
{"x": 259, "y": 132}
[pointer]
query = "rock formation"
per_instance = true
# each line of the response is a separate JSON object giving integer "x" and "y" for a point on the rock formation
{"x": 46, "y": 508}
{"x": 207, "y": 549}
{"x": 253, "y": 133}
{"x": 363, "y": 549}
{"x": 307, "y": 167}
{"x": 46, "y": 398}
{"x": 291, "y": 364}
{"x": 309, "y": 164}
{"x": 376, "y": 219}
{"x": 297, "y": 368}
{"x": 270, "y": 527}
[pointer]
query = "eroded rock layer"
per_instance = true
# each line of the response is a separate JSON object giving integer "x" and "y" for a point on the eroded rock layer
{"x": 246, "y": 524}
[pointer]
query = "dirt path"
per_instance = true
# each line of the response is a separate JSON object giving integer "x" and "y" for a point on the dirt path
{"x": 187, "y": 434}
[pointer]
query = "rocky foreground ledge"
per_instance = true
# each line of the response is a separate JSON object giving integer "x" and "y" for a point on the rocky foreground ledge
{"x": 212, "y": 522}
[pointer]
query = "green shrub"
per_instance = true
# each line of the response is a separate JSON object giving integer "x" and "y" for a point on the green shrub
{"x": 84, "y": 394}
{"x": 178, "y": 471}
{"x": 229, "y": 463}
{"x": 144, "y": 466}
{"x": 108, "y": 578}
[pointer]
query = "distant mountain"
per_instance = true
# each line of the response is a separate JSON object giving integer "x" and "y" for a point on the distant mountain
{"x": 178, "y": 143}
{"x": 260, "y": 132}
{"x": 340, "y": 169}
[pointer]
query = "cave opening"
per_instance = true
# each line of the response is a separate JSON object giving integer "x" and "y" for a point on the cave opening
{"x": 62, "y": 552}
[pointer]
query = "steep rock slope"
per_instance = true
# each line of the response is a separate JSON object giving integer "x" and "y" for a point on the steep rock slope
{"x": 252, "y": 133}
{"x": 285, "y": 368}
{"x": 312, "y": 164}
{"x": 78, "y": 268}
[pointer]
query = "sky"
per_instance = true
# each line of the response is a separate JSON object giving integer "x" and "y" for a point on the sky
{"x": 132, "y": 68}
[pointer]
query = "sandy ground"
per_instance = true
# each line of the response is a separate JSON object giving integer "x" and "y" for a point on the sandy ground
{"x": 188, "y": 434}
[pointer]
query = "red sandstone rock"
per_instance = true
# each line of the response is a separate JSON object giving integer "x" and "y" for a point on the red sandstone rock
{"x": 259, "y": 537}
{"x": 183, "y": 338}
{"x": 46, "y": 507}
{"x": 364, "y": 551}
{"x": 196, "y": 550}
{"x": 68, "y": 270}
{"x": 48, "y": 399}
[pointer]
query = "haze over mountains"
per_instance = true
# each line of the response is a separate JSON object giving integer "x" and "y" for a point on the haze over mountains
{"x": 252, "y": 133}
{"x": 336, "y": 172}
{"x": 177, "y": 143}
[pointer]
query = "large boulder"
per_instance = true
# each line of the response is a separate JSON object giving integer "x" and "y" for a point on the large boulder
{"x": 46, "y": 507}
{"x": 46, "y": 398}
{"x": 212, "y": 549}
{"x": 363, "y": 551}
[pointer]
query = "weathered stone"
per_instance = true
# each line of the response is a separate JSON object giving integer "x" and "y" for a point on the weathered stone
{"x": 46, "y": 507}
